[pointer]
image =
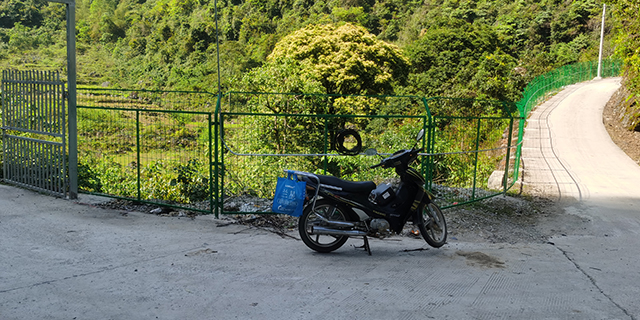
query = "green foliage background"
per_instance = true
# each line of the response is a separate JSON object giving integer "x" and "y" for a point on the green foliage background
{"x": 627, "y": 39}
{"x": 486, "y": 49}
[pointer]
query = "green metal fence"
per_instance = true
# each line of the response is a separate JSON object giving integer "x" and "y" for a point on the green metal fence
{"x": 474, "y": 143}
{"x": 148, "y": 146}
{"x": 199, "y": 151}
{"x": 263, "y": 134}
{"x": 542, "y": 85}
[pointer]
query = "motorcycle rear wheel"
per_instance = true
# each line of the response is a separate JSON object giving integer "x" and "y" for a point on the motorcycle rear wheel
{"x": 433, "y": 227}
{"x": 321, "y": 243}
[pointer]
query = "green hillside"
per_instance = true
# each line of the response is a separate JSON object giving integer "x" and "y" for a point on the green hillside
{"x": 484, "y": 49}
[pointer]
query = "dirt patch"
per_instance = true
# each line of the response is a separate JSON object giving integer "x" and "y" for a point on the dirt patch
{"x": 512, "y": 219}
{"x": 502, "y": 219}
{"x": 481, "y": 259}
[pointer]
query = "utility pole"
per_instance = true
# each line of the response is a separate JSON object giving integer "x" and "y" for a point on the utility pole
{"x": 71, "y": 86}
{"x": 604, "y": 9}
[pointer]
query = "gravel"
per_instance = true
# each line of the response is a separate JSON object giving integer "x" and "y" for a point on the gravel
{"x": 501, "y": 219}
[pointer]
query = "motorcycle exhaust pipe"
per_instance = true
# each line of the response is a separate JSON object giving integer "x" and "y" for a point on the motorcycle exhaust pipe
{"x": 336, "y": 232}
{"x": 343, "y": 224}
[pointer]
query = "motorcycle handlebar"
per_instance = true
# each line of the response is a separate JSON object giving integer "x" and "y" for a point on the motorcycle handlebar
{"x": 396, "y": 154}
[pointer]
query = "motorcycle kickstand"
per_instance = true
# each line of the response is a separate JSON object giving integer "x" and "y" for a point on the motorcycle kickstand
{"x": 365, "y": 246}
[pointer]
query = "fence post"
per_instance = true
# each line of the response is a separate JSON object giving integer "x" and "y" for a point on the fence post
{"x": 138, "y": 152}
{"x": 212, "y": 191}
{"x": 72, "y": 98}
{"x": 326, "y": 148}
{"x": 475, "y": 165}
{"x": 506, "y": 163}
{"x": 219, "y": 124}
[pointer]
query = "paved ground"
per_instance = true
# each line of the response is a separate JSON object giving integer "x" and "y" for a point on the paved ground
{"x": 568, "y": 154}
{"x": 67, "y": 260}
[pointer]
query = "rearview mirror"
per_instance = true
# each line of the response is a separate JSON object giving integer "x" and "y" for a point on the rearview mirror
{"x": 420, "y": 135}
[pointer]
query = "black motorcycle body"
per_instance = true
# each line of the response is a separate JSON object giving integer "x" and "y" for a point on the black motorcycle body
{"x": 337, "y": 209}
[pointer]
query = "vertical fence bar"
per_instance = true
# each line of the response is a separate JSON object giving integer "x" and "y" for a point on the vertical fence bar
{"x": 19, "y": 153}
{"x": 516, "y": 167}
{"x": 326, "y": 147}
{"x": 506, "y": 164}
{"x": 426, "y": 167}
{"x": 475, "y": 166}
{"x": 2, "y": 109}
{"x": 217, "y": 130}
{"x": 14, "y": 154}
{"x": 20, "y": 109}
{"x": 221, "y": 167}
{"x": 210, "y": 164}
{"x": 26, "y": 177}
{"x": 71, "y": 176}
{"x": 72, "y": 99}
{"x": 431, "y": 140}
{"x": 38, "y": 152}
{"x": 138, "y": 164}
{"x": 43, "y": 156}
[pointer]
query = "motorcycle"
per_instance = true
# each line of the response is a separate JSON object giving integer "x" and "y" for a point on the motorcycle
{"x": 336, "y": 209}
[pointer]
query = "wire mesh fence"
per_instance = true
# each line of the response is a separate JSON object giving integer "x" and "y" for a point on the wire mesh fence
{"x": 547, "y": 83}
{"x": 199, "y": 151}
{"x": 474, "y": 147}
{"x": 144, "y": 146}
{"x": 264, "y": 134}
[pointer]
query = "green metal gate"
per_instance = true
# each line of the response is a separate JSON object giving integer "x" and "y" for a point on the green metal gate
{"x": 33, "y": 131}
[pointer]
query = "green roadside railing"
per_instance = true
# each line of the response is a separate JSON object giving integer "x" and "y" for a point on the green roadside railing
{"x": 549, "y": 83}
{"x": 543, "y": 85}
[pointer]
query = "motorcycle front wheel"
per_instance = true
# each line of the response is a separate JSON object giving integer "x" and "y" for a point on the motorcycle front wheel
{"x": 308, "y": 220}
{"x": 433, "y": 227}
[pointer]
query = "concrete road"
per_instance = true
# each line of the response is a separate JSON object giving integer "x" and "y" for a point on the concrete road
{"x": 568, "y": 155}
{"x": 70, "y": 260}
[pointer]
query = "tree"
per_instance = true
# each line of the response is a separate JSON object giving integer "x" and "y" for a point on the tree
{"x": 446, "y": 57}
{"x": 345, "y": 58}
{"x": 26, "y": 12}
{"x": 627, "y": 40}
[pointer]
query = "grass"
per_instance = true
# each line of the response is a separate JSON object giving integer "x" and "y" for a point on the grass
{"x": 148, "y": 157}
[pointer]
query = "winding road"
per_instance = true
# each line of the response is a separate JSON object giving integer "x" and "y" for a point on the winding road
{"x": 567, "y": 152}
{"x": 568, "y": 155}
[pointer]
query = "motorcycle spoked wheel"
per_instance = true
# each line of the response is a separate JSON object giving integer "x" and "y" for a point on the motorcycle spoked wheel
{"x": 321, "y": 243}
{"x": 433, "y": 227}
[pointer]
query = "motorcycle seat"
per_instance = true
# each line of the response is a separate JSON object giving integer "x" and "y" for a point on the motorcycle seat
{"x": 348, "y": 186}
